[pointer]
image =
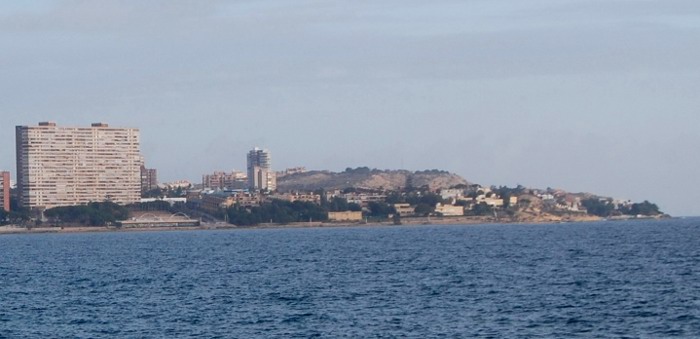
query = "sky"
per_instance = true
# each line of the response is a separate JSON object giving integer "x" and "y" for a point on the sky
{"x": 598, "y": 96}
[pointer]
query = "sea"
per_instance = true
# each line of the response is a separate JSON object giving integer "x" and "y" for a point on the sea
{"x": 621, "y": 279}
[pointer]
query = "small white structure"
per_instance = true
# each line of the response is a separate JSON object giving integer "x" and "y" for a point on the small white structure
{"x": 171, "y": 201}
{"x": 449, "y": 210}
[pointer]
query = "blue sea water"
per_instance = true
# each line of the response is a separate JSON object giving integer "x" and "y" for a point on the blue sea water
{"x": 608, "y": 279}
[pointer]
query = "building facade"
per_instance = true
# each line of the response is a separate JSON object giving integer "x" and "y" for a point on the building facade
{"x": 260, "y": 173}
{"x": 405, "y": 210}
{"x": 292, "y": 197}
{"x": 214, "y": 203}
{"x": 149, "y": 179}
{"x": 223, "y": 180}
{"x": 449, "y": 210}
{"x": 64, "y": 166}
{"x": 345, "y": 216}
{"x": 5, "y": 190}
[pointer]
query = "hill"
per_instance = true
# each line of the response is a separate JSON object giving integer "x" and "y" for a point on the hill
{"x": 363, "y": 177}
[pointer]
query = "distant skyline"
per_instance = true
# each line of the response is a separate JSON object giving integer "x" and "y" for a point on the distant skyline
{"x": 583, "y": 95}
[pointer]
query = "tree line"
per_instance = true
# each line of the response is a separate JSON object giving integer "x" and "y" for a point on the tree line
{"x": 605, "y": 208}
{"x": 92, "y": 214}
{"x": 276, "y": 211}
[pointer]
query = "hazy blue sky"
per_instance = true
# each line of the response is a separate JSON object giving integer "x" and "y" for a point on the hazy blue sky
{"x": 586, "y": 95}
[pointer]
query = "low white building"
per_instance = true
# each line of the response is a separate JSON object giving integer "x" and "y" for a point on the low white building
{"x": 449, "y": 210}
{"x": 492, "y": 201}
{"x": 452, "y": 193}
{"x": 171, "y": 201}
{"x": 404, "y": 210}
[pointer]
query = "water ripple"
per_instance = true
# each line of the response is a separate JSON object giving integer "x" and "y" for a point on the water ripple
{"x": 615, "y": 279}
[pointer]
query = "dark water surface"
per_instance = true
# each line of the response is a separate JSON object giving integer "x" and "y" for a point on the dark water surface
{"x": 611, "y": 279}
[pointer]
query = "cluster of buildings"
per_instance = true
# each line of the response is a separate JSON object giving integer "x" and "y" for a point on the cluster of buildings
{"x": 258, "y": 177}
{"x": 66, "y": 166}
{"x": 260, "y": 173}
{"x": 214, "y": 201}
{"x": 455, "y": 202}
{"x": 220, "y": 180}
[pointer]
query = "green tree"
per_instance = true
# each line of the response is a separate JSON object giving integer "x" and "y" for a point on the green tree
{"x": 431, "y": 199}
{"x": 601, "y": 208}
{"x": 644, "y": 208}
{"x": 158, "y": 205}
{"x": 482, "y": 209}
{"x": 463, "y": 203}
{"x": 178, "y": 192}
{"x": 394, "y": 198}
{"x": 380, "y": 209}
{"x": 338, "y": 204}
{"x": 92, "y": 214}
{"x": 323, "y": 196}
{"x": 19, "y": 216}
{"x": 276, "y": 211}
{"x": 423, "y": 209}
{"x": 154, "y": 193}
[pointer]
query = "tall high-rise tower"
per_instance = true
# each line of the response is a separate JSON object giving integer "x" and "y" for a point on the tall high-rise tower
{"x": 63, "y": 166}
{"x": 260, "y": 173}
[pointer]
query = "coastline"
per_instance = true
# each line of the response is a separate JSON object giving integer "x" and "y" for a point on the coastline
{"x": 12, "y": 229}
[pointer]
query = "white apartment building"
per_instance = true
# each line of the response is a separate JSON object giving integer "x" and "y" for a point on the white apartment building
{"x": 64, "y": 166}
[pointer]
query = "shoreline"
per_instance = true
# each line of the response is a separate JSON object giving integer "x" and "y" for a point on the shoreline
{"x": 13, "y": 229}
